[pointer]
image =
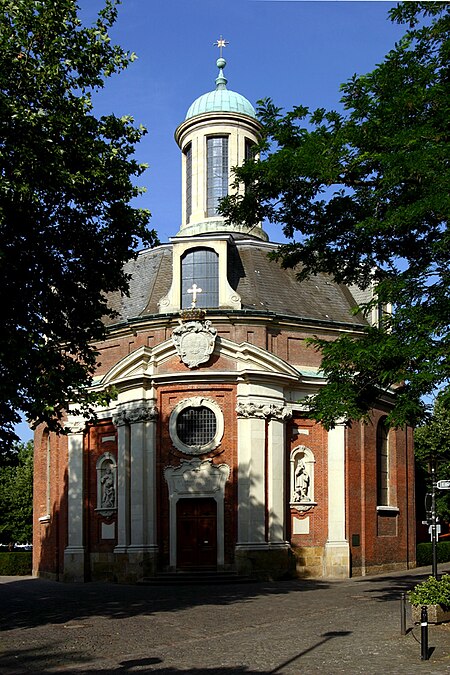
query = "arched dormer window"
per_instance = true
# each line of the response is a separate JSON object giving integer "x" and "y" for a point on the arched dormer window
{"x": 200, "y": 266}
{"x": 382, "y": 463}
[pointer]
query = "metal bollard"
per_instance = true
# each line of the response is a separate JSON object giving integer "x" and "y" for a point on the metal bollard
{"x": 424, "y": 634}
{"x": 403, "y": 613}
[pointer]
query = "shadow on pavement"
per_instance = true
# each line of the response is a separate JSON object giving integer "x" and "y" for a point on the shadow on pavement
{"x": 394, "y": 585}
{"x": 41, "y": 660}
{"x": 38, "y": 602}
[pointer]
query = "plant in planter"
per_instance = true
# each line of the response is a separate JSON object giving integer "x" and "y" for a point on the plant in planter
{"x": 435, "y": 594}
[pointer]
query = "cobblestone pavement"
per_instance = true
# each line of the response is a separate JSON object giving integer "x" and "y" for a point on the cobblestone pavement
{"x": 310, "y": 626}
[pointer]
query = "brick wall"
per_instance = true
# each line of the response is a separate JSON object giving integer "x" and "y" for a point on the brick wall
{"x": 49, "y": 503}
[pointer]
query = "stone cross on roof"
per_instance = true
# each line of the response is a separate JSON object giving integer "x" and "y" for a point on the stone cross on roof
{"x": 194, "y": 290}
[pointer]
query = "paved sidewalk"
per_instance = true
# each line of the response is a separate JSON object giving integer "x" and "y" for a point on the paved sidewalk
{"x": 314, "y": 626}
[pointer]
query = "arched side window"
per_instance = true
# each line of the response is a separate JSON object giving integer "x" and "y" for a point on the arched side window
{"x": 382, "y": 463}
{"x": 250, "y": 153}
{"x": 200, "y": 266}
{"x": 106, "y": 484}
{"x": 302, "y": 475}
{"x": 46, "y": 455}
{"x": 216, "y": 172}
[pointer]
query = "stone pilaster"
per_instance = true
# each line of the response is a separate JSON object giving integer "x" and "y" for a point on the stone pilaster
{"x": 74, "y": 554}
{"x": 142, "y": 420}
{"x": 251, "y": 477}
{"x": 123, "y": 481}
{"x": 261, "y": 548}
{"x": 275, "y": 481}
{"x": 337, "y": 550}
{"x": 136, "y": 492}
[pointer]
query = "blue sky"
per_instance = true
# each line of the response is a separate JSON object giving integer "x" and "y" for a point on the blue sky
{"x": 293, "y": 51}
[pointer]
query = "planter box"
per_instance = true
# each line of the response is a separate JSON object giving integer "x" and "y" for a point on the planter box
{"x": 436, "y": 614}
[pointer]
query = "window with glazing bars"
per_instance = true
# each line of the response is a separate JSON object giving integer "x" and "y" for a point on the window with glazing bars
{"x": 200, "y": 266}
{"x": 250, "y": 153}
{"x": 196, "y": 426}
{"x": 217, "y": 172}
{"x": 188, "y": 155}
{"x": 382, "y": 463}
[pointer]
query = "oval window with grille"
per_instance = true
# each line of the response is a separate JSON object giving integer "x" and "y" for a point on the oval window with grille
{"x": 196, "y": 425}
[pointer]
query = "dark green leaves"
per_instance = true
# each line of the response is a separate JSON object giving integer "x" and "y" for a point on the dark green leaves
{"x": 66, "y": 223}
{"x": 365, "y": 197}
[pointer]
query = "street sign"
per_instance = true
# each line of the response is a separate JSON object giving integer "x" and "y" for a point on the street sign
{"x": 438, "y": 531}
{"x": 443, "y": 484}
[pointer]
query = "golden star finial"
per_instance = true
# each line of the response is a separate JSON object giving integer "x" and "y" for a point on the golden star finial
{"x": 221, "y": 43}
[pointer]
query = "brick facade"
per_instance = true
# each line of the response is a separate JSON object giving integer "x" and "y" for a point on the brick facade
{"x": 379, "y": 539}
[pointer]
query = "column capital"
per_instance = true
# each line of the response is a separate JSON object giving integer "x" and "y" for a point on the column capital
{"x": 142, "y": 411}
{"x": 75, "y": 425}
{"x": 263, "y": 411}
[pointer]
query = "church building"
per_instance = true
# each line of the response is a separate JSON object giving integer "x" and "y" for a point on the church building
{"x": 206, "y": 459}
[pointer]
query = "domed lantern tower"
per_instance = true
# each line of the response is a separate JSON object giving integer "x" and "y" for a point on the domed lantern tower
{"x": 218, "y": 133}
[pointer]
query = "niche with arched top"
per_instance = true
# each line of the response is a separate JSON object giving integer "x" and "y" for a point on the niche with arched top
{"x": 106, "y": 484}
{"x": 302, "y": 478}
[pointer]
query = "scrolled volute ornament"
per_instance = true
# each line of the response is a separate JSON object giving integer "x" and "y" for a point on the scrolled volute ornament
{"x": 143, "y": 413}
{"x": 120, "y": 417}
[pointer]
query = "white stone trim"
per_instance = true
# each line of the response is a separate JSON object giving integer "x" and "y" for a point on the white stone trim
{"x": 75, "y": 490}
{"x": 143, "y": 478}
{"x": 74, "y": 552}
{"x": 387, "y": 509}
{"x": 275, "y": 480}
{"x": 228, "y": 298}
{"x": 123, "y": 488}
{"x": 337, "y": 550}
{"x": 251, "y": 480}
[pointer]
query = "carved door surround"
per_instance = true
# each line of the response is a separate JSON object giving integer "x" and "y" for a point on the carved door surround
{"x": 197, "y": 479}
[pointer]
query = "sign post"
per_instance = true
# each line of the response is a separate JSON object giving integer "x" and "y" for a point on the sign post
{"x": 433, "y": 523}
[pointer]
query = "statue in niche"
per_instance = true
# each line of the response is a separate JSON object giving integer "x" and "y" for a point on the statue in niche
{"x": 108, "y": 489}
{"x": 301, "y": 483}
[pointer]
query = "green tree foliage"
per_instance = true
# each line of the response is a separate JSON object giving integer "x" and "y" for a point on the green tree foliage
{"x": 16, "y": 495}
{"x": 364, "y": 197}
{"x": 66, "y": 221}
{"x": 432, "y": 446}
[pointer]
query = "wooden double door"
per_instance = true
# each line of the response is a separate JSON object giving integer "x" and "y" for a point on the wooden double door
{"x": 197, "y": 533}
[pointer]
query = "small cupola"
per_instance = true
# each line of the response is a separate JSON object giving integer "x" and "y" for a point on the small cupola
{"x": 219, "y": 132}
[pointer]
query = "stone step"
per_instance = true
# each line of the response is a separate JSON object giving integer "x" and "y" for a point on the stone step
{"x": 195, "y": 578}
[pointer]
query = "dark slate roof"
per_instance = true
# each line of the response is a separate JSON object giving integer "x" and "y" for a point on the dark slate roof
{"x": 151, "y": 277}
{"x": 261, "y": 283}
{"x": 264, "y": 285}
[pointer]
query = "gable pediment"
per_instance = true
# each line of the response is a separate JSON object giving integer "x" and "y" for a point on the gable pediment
{"x": 157, "y": 362}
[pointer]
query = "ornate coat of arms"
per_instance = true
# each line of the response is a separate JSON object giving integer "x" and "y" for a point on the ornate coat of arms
{"x": 194, "y": 342}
